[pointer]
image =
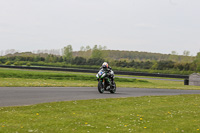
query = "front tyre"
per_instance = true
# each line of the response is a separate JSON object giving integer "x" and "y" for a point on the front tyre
{"x": 100, "y": 87}
{"x": 113, "y": 89}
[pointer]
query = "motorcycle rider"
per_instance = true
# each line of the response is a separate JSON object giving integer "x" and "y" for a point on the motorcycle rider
{"x": 108, "y": 70}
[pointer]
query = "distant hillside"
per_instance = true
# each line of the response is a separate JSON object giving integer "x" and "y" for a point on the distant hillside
{"x": 27, "y": 54}
{"x": 135, "y": 55}
{"x": 117, "y": 55}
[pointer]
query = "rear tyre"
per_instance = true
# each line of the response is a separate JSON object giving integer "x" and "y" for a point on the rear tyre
{"x": 113, "y": 89}
{"x": 100, "y": 87}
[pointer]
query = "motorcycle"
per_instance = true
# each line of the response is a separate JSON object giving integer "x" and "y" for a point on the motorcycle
{"x": 104, "y": 83}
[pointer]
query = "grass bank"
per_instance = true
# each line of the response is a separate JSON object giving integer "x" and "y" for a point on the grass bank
{"x": 27, "y": 78}
{"x": 139, "y": 114}
{"x": 128, "y": 69}
{"x": 24, "y": 74}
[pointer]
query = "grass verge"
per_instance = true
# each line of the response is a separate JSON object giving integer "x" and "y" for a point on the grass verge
{"x": 139, "y": 114}
{"x": 27, "y": 78}
{"x": 160, "y": 84}
{"x": 17, "y": 73}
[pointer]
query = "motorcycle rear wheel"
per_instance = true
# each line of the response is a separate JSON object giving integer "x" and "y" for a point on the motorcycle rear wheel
{"x": 100, "y": 87}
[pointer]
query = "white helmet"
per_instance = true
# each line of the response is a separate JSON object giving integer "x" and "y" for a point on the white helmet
{"x": 105, "y": 65}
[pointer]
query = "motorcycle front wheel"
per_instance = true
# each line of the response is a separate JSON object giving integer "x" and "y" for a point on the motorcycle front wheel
{"x": 113, "y": 89}
{"x": 100, "y": 87}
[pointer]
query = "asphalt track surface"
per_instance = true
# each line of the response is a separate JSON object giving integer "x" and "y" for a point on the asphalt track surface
{"x": 18, "y": 96}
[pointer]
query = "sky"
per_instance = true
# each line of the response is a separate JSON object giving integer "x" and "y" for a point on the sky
{"x": 157, "y": 26}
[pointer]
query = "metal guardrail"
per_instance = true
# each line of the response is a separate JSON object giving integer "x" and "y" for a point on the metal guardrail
{"x": 95, "y": 71}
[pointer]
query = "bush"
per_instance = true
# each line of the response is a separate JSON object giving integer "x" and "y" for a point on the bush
{"x": 28, "y": 64}
{"x": 95, "y": 61}
{"x": 16, "y": 63}
{"x": 8, "y": 63}
{"x": 19, "y": 63}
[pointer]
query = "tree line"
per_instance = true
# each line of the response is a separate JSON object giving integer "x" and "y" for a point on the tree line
{"x": 98, "y": 54}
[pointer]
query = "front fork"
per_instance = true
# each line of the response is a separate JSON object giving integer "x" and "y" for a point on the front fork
{"x": 102, "y": 81}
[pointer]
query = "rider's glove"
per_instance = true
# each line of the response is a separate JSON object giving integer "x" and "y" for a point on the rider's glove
{"x": 108, "y": 74}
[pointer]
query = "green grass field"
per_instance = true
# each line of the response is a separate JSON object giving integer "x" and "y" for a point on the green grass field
{"x": 155, "y": 114}
{"x": 162, "y": 114}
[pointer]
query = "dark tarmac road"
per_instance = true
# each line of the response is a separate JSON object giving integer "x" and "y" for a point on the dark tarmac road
{"x": 18, "y": 96}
